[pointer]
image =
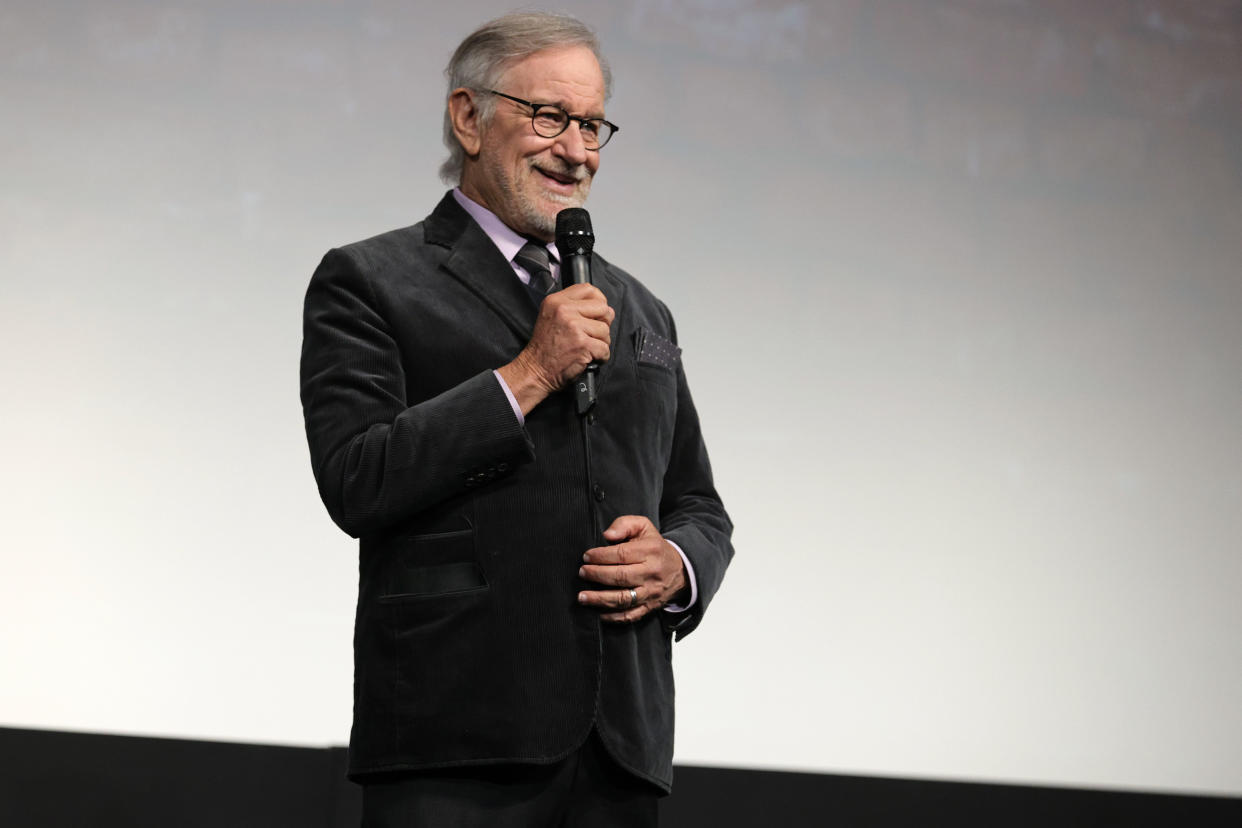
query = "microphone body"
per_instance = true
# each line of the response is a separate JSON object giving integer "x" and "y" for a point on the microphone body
{"x": 576, "y": 269}
{"x": 574, "y": 242}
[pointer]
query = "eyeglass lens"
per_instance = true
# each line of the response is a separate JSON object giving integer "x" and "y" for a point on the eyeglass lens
{"x": 551, "y": 121}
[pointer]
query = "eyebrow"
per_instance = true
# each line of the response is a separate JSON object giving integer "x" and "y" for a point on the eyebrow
{"x": 564, "y": 106}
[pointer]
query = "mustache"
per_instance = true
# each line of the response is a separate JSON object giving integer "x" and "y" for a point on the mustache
{"x": 577, "y": 172}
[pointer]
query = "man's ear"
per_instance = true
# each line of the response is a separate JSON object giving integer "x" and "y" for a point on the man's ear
{"x": 464, "y": 115}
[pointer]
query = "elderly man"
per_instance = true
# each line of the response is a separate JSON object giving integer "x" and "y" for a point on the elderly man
{"x": 524, "y": 563}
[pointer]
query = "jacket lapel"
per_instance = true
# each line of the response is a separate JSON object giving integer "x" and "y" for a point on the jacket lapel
{"x": 475, "y": 262}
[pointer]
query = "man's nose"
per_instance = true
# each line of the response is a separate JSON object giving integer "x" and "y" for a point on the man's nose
{"x": 570, "y": 145}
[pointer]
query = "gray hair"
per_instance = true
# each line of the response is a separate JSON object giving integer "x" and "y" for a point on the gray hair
{"x": 486, "y": 54}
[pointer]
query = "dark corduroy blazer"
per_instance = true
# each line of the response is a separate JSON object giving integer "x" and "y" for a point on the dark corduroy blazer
{"x": 469, "y": 645}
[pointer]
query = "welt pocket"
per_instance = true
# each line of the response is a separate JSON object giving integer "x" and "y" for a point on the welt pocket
{"x": 657, "y": 374}
{"x": 434, "y": 563}
{"x": 435, "y": 536}
{"x": 416, "y": 582}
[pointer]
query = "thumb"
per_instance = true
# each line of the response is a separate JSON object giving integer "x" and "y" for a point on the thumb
{"x": 627, "y": 526}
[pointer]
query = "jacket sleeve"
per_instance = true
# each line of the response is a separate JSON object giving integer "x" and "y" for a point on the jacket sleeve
{"x": 691, "y": 512}
{"x": 377, "y": 459}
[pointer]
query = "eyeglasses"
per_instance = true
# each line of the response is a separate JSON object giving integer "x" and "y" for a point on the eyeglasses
{"x": 549, "y": 121}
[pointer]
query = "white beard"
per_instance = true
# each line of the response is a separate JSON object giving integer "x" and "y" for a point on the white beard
{"x": 522, "y": 208}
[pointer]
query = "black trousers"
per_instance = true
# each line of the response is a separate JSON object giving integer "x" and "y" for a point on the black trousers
{"x": 587, "y": 789}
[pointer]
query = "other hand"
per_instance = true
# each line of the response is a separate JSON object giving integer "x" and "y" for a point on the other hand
{"x": 642, "y": 570}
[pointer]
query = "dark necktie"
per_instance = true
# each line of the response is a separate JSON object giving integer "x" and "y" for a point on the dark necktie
{"x": 534, "y": 258}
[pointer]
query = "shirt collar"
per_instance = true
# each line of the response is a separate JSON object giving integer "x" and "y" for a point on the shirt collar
{"x": 506, "y": 239}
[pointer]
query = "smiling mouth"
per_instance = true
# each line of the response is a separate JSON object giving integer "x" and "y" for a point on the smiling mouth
{"x": 561, "y": 179}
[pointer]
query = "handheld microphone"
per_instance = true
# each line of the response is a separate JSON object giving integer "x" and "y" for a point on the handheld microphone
{"x": 574, "y": 242}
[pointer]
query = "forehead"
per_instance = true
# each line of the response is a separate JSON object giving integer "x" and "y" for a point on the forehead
{"x": 568, "y": 75}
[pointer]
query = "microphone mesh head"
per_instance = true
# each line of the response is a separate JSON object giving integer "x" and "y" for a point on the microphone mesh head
{"x": 573, "y": 232}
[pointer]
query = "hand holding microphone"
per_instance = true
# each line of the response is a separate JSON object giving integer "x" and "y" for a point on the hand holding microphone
{"x": 571, "y": 334}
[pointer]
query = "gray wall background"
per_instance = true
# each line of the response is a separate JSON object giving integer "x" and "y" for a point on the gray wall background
{"x": 958, "y": 288}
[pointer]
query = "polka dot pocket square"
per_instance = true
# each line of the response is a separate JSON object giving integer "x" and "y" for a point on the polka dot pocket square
{"x": 654, "y": 349}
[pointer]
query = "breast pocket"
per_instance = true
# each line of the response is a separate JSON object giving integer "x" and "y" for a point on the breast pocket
{"x": 655, "y": 351}
{"x": 656, "y": 363}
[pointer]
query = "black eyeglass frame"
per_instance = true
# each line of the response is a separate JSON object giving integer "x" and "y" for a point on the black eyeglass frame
{"x": 582, "y": 122}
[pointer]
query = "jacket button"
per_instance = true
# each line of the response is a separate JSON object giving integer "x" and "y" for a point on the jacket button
{"x": 599, "y": 494}
{"x": 502, "y": 468}
{"x": 591, "y": 418}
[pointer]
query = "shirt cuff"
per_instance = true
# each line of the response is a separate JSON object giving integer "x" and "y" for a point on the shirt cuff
{"x": 517, "y": 409}
{"x": 694, "y": 585}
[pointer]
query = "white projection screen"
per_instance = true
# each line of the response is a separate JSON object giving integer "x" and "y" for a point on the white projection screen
{"x": 958, "y": 287}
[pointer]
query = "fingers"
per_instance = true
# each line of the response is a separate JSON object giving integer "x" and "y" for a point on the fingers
{"x": 630, "y": 599}
{"x": 617, "y": 599}
{"x": 572, "y": 331}
{"x": 580, "y": 342}
{"x": 597, "y": 333}
{"x": 626, "y": 605}
{"x": 621, "y": 553}
{"x": 643, "y": 541}
{"x": 588, "y": 300}
{"x": 559, "y": 310}
{"x": 574, "y": 303}
{"x": 613, "y": 575}
{"x": 628, "y": 526}
{"x": 644, "y": 563}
